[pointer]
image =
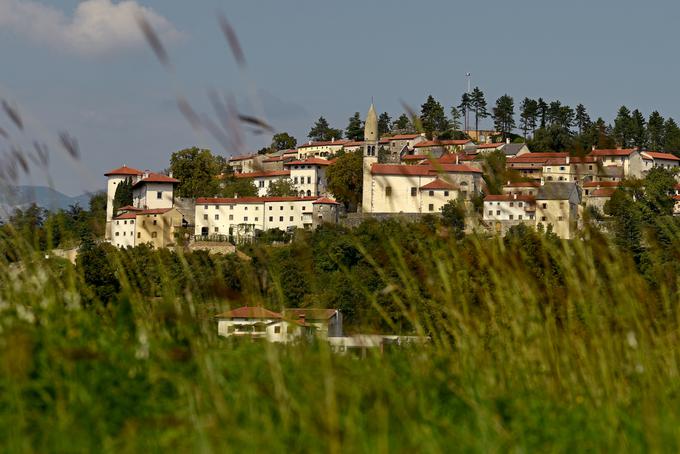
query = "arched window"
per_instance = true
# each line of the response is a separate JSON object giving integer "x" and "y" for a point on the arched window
{"x": 309, "y": 193}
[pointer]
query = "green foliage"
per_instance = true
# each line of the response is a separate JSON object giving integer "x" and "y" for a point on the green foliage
{"x": 478, "y": 106}
{"x": 453, "y": 216}
{"x": 495, "y": 171}
{"x": 355, "y": 128}
{"x": 582, "y": 119}
{"x": 345, "y": 179}
{"x": 230, "y": 186}
{"x": 282, "y": 188}
{"x": 623, "y": 127}
{"x": 321, "y": 131}
{"x": 403, "y": 125}
{"x": 123, "y": 194}
{"x": 283, "y": 141}
{"x": 384, "y": 124}
{"x": 504, "y": 115}
{"x": 197, "y": 171}
{"x": 655, "y": 131}
{"x": 433, "y": 118}
{"x": 528, "y": 116}
{"x": 672, "y": 137}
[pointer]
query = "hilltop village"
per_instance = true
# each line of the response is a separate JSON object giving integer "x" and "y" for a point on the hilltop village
{"x": 404, "y": 175}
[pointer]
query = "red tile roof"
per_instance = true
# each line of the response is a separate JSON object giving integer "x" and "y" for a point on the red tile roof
{"x": 263, "y": 173}
{"x": 523, "y": 184}
{"x": 659, "y": 155}
{"x": 125, "y": 170}
{"x": 324, "y": 143}
{"x": 438, "y": 184}
{"x": 308, "y": 161}
{"x": 250, "y": 312}
{"x": 234, "y": 200}
{"x": 125, "y": 216}
{"x": 428, "y": 169}
{"x": 156, "y": 178}
{"x": 155, "y": 211}
{"x": 602, "y": 184}
{"x": 242, "y": 157}
{"x": 325, "y": 201}
{"x": 354, "y": 143}
{"x": 490, "y": 145}
{"x": 129, "y": 208}
{"x": 536, "y": 157}
{"x": 509, "y": 198}
{"x": 384, "y": 140}
{"x": 403, "y": 137}
{"x": 606, "y": 192}
{"x": 623, "y": 152}
{"x": 414, "y": 157}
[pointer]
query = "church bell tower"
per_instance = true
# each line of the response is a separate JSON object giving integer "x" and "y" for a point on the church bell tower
{"x": 370, "y": 157}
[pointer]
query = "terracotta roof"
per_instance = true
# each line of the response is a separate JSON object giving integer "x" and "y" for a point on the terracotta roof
{"x": 129, "y": 208}
{"x": 509, "y": 198}
{"x": 602, "y": 184}
{"x": 309, "y": 313}
{"x": 273, "y": 159}
{"x": 155, "y": 211}
{"x": 250, "y": 312}
{"x": 491, "y": 145}
{"x": 572, "y": 160}
{"x": 125, "y": 216}
{"x": 263, "y": 173}
{"x": 659, "y": 155}
{"x": 314, "y": 161}
{"x": 354, "y": 143}
{"x": 125, "y": 170}
{"x": 414, "y": 157}
{"x": 438, "y": 184}
{"x": 324, "y": 143}
{"x": 234, "y": 200}
{"x": 676, "y": 198}
{"x": 325, "y": 201}
{"x": 522, "y": 184}
{"x": 606, "y": 192}
{"x": 429, "y": 169}
{"x": 402, "y": 137}
{"x": 242, "y": 157}
{"x": 536, "y": 157}
{"x": 291, "y": 151}
{"x": 384, "y": 140}
{"x": 623, "y": 152}
{"x": 156, "y": 178}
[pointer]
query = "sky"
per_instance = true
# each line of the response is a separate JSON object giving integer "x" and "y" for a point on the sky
{"x": 85, "y": 68}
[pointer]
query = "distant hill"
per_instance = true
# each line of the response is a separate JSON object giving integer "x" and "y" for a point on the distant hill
{"x": 48, "y": 198}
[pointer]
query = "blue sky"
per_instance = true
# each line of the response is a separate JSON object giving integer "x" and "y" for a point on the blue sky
{"x": 83, "y": 66}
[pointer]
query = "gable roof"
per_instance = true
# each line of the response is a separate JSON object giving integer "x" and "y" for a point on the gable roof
{"x": 605, "y": 192}
{"x": 660, "y": 155}
{"x": 263, "y": 173}
{"x": 309, "y": 313}
{"x": 511, "y": 149}
{"x": 556, "y": 191}
{"x": 125, "y": 170}
{"x": 602, "y": 184}
{"x": 484, "y": 146}
{"x": 438, "y": 184}
{"x": 618, "y": 152}
{"x": 155, "y": 211}
{"x": 242, "y": 157}
{"x": 421, "y": 170}
{"x": 403, "y": 137}
{"x": 156, "y": 178}
{"x": 522, "y": 184}
{"x": 324, "y": 143}
{"x": 250, "y": 312}
{"x": 125, "y": 216}
{"x": 234, "y": 200}
{"x": 325, "y": 201}
{"x": 509, "y": 198}
{"x": 312, "y": 161}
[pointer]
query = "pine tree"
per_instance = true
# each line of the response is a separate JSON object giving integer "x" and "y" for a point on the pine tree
{"x": 465, "y": 107}
{"x": 455, "y": 119}
{"x": 582, "y": 119}
{"x": 542, "y": 109}
{"x": 403, "y": 124}
{"x": 433, "y": 118}
{"x": 528, "y": 115}
{"x": 622, "y": 127}
{"x": 504, "y": 115}
{"x": 322, "y": 131}
{"x": 355, "y": 128}
{"x": 655, "y": 131}
{"x": 384, "y": 123}
{"x": 638, "y": 129}
{"x": 672, "y": 137}
{"x": 478, "y": 104}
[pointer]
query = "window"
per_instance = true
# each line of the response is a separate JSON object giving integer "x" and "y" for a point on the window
{"x": 490, "y": 212}
{"x": 245, "y": 208}
{"x": 309, "y": 180}
{"x": 519, "y": 217}
{"x": 154, "y": 234}
{"x": 543, "y": 218}
{"x": 132, "y": 221}
{"x": 257, "y": 208}
{"x": 231, "y": 217}
{"x": 256, "y": 218}
{"x": 261, "y": 183}
{"x": 217, "y": 217}
{"x": 561, "y": 168}
{"x": 544, "y": 205}
{"x": 231, "y": 207}
{"x": 431, "y": 207}
{"x": 498, "y": 212}
{"x": 414, "y": 191}
{"x": 291, "y": 219}
{"x": 280, "y": 218}
{"x": 117, "y": 233}
{"x": 590, "y": 167}
{"x": 388, "y": 191}
{"x": 281, "y": 207}
{"x": 520, "y": 204}
{"x": 155, "y": 222}
{"x": 431, "y": 193}
{"x": 446, "y": 193}
{"x": 159, "y": 194}
{"x": 205, "y": 207}
{"x": 217, "y": 229}
{"x": 139, "y": 235}
{"x": 277, "y": 329}
{"x": 512, "y": 204}
{"x": 245, "y": 218}
{"x": 124, "y": 222}
{"x": 295, "y": 180}
{"x": 205, "y": 217}
{"x": 291, "y": 208}
{"x": 271, "y": 218}
{"x": 510, "y": 217}
{"x": 270, "y": 208}
{"x": 560, "y": 218}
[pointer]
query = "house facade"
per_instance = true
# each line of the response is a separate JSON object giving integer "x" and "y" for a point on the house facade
{"x": 158, "y": 227}
{"x": 557, "y": 206}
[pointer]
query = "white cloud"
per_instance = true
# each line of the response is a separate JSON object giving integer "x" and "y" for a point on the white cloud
{"x": 96, "y": 27}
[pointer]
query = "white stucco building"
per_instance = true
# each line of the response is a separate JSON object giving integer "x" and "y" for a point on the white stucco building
{"x": 309, "y": 176}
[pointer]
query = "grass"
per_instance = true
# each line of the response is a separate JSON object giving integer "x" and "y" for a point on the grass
{"x": 590, "y": 363}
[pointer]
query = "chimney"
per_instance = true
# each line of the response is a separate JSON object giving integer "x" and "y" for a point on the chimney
{"x": 456, "y": 158}
{"x": 542, "y": 181}
{"x": 170, "y": 174}
{"x": 514, "y": 196}
{"x": 302, "y": 319}
{"x": 146, "y": 174}
{"x": 507, "y": 140}
{"x": 567, "y": 159}
{"x": 593, "y": 148}
{"x": 332, "y": 139}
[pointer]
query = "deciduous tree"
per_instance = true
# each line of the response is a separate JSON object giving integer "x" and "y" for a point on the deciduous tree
{"x": 345, "y": 179}
{"x": 197, "y": 171}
